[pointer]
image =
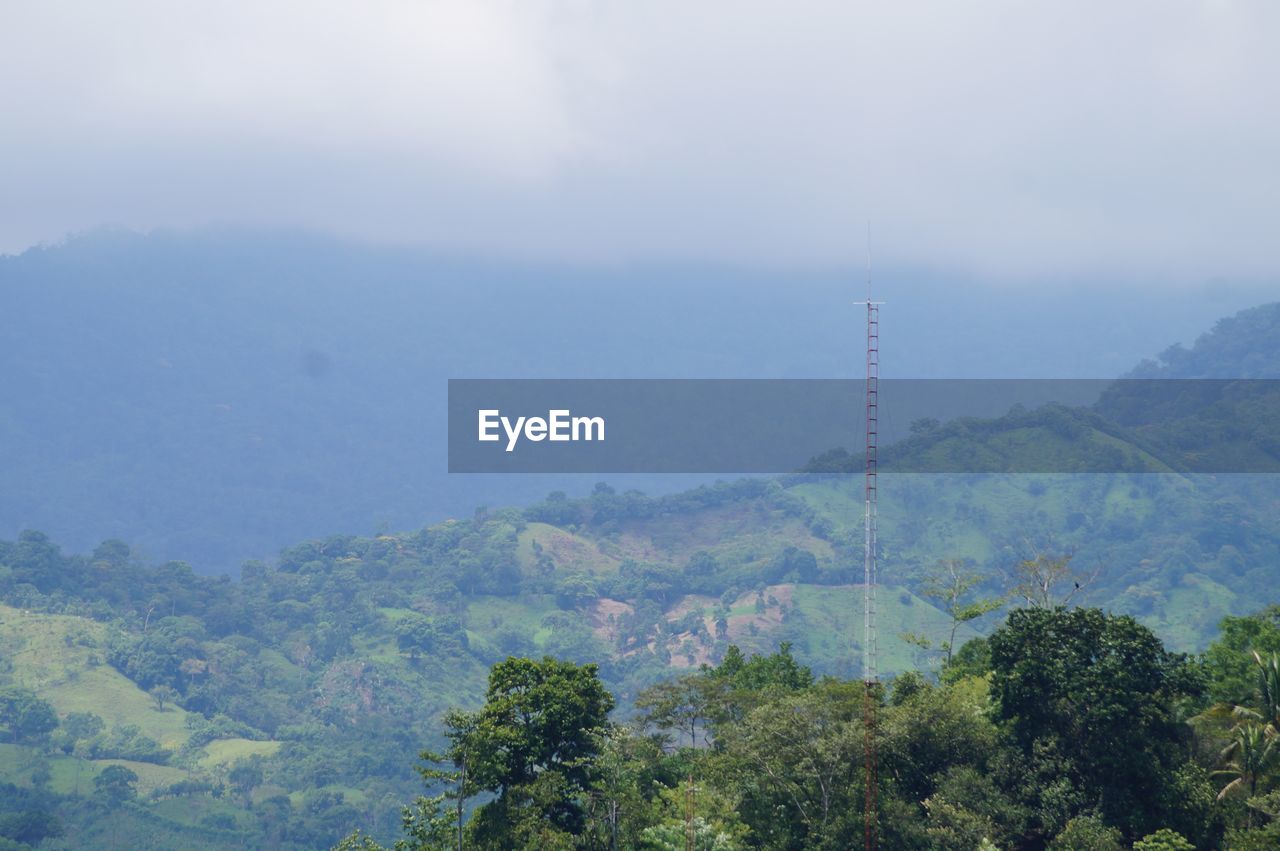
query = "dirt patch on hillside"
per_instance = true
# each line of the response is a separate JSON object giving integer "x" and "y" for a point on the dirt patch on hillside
{"x": 750, "y": 615}
{"x": 765, "y": 613}
{"x": 603, "y": 616}
{"x": 688, "y": 603}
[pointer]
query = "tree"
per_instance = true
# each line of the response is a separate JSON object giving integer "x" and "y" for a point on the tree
{"x": 415, "y": 635}
{"x": 77, "y": 727}
{"x": 951, "y": 585}
{"x": 425, "y": 822}
{"x": 778, "y": 671}
{"x": 29, "y": 718}
{"x": 967, "y": 807}
{"x": 1250, "y": 761}
{"x": 77, "y": 731}
{"x": 539, "y": 716}
{"x": 625, "y": 780}
{"x": 1045, "y": 581}
{"x": 1087, "y": 833}
{"x": 532, "y": 743}
{"x": 1101, "y": 691}
{"x": 701, "y": 836}
{"x": 1266, "y": 696}
{"x": 1229, "y": 662}
{"x": 795, "y": 765}
{"x": 1163, "y": 840}
{"x": 972, "y": 659}
{"x": 685, "y": 705}
{"x": 1269, "y": 690}
{"x": 692, "y": 704}
{"x": 358, "y": 841}
{"x": 116, "y": 784}
{"x": 245, "y": 776}
{"x": 931, "y": 734}
{"x": 428, "y": 826}
{"x": 28, "y": 828}
{"x": 1265, "y": 837}
{"x": 418, "y": 634}
{"x": 688, "y": 705}
{"x": 575, "y": 590}
{"x": 163, "y": 694}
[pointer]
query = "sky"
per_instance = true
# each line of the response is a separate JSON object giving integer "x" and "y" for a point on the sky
{"x": 1029, "y": 143}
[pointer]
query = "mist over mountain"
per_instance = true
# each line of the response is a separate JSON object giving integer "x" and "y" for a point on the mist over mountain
{"x": 1246, "y": 345}
{"x": 218, "y": 395}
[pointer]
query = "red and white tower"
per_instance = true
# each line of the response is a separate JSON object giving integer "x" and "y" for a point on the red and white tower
{"x": 870, "y": 670}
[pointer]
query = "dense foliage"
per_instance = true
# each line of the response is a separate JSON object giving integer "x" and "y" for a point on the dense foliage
{"x": 1063, "y": 723}
{"x": 278, "y": 710}
{"x": 1079, "y": 734}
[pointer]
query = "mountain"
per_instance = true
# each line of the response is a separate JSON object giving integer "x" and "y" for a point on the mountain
{"x": 279, "y": 710}
{"x": 1239, "y": 346}
{"x": 215, "y": 396}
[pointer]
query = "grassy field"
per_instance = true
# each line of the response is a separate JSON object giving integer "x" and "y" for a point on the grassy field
{"x": 565, "y": 549}
{"x": 224, "y": 752}
{"x": 488, "y": 615}
{"x": 1187, "y": 611}
{"x": 69, "y": 774}
{"x": 62, "y": 658}
{"x": 832, "y": 619}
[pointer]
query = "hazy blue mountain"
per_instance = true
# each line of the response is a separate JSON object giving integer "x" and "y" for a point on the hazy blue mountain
{"x": 1246, "y": 345}
{"x": 216, "y": 396}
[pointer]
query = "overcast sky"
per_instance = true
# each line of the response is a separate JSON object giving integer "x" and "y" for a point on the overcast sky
{"x": 1011, "y": 139}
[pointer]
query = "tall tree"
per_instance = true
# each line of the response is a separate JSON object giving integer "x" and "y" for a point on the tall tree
{"x": 1102, "y": 691}
{"x": 532, "y": 743}
{"x": 952, "y": 585}
{"x": 116, "y": 784}
{"x": 1046, "y": 581}
{"x": 795, "y": 765}
{"x": 29, "y": 718}
{"x": 1250, "y": 762}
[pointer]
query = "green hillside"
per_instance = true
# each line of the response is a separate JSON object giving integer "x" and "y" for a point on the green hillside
{"x": 63, "y": 659}
{"x": 321, "y": 668}
{"x": 322, "y": 671}
{"x": 280, "y": 709}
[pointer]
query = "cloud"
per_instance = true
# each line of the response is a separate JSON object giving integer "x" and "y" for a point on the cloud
{"x": 1048, "y": 140}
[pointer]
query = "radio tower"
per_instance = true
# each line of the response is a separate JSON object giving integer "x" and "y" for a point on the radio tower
{"x": 870, "y": 673}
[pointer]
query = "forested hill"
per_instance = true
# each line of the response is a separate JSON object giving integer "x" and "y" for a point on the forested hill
{"x": 285, "y": 705}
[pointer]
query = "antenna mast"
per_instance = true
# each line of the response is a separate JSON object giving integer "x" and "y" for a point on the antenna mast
{"x": 870, "y": 671}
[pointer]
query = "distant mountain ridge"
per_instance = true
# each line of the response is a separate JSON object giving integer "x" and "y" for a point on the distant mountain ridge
{"x": 218, "y": 395}
{"x": 1246, "y": 345}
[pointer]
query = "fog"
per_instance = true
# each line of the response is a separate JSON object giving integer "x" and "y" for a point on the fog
{"x": 1026, "y": 145}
